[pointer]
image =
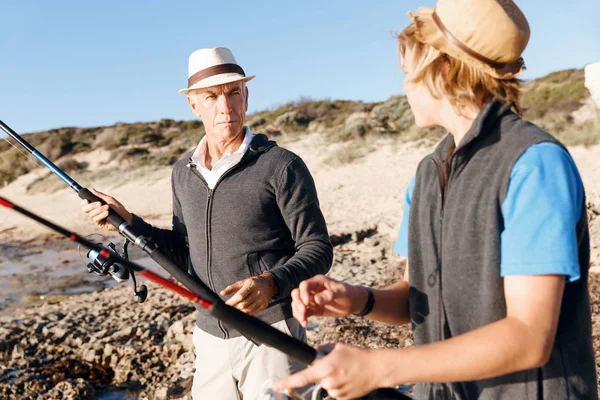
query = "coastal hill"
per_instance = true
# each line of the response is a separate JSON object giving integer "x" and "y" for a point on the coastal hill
{"x": 558, "y": 102}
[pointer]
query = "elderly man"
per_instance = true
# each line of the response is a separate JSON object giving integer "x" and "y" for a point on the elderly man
{"x": 246, "y": 221}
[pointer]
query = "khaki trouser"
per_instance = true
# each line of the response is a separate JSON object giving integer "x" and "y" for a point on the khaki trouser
{"x": 236, "y": 368}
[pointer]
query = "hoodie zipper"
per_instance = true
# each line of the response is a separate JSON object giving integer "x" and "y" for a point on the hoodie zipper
{"x": 208, "y": 227}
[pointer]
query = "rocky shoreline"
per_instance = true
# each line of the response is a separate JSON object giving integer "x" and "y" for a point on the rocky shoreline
{"x": 103, "y": 345}
{"x": 92, "y": 345}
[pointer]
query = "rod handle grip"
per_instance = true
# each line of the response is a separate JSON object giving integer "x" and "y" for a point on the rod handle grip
{"x": 113, "y": 218}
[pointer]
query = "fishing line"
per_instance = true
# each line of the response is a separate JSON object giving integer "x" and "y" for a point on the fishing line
{"x": 27, "y": 156}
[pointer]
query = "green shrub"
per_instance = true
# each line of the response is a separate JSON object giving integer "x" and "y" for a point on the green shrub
{"x": 13, "y": 164}
{"x": 293, "y": 119}
{"x": 191, "y": 125}
{"x": 6, "y": 178}
{"x": 559, "y": 93}
{"x": 393, "y": 115}
{"x": 70, "y": 164}
{"x": 166, "y": 123}
{"x": 585, "y": 134}
{"x": 256, "y": 122}
{"x": 136, "y": 151}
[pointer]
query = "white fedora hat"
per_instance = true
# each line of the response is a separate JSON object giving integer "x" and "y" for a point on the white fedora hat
{"x": 212, "y": 67}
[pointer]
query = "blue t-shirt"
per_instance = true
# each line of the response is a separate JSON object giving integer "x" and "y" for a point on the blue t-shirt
{"x": 543, "y": 204}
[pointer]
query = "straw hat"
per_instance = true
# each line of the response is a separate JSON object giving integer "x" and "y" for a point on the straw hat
{"x": 212, "y": 67}
{"x": 487, "y": 34}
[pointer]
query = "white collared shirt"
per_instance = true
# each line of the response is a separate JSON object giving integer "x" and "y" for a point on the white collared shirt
{"x": 224, "y": 164}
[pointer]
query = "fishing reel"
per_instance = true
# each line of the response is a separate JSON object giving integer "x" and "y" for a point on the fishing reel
{"x": 315, "y": 392}
{"x": 103, "y": 266}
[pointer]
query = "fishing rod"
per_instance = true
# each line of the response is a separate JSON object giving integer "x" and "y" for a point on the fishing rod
{"x": 118, "y": 222}
{"x": 131, "y": 235}
{"x": 243, "y": 322}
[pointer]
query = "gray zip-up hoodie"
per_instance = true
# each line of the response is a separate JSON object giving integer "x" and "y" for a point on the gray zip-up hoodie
{"x": 262, "y": 215}
{"x": 454, "y": 259}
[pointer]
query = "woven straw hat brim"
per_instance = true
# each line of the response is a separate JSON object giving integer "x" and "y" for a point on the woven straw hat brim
{"x": 428, "y": 32}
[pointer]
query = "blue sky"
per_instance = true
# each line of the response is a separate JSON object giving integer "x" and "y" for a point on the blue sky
{"x": 77, "y": 63}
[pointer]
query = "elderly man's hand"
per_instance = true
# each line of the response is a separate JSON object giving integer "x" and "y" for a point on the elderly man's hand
{"x": 347, "y": 372}
{"x": 99, "y": 212}
{"x": 252, "y": 294}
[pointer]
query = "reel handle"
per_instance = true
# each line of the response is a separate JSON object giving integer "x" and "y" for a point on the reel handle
{"x": 140, "y": 294}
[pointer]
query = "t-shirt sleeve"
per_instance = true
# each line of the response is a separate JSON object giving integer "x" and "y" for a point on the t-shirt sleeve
{"x": 543, "y": 204}
{"x": 401, "y": 246}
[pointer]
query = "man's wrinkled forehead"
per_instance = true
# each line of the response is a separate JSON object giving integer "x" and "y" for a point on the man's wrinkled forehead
{"x": 218, "y": 89}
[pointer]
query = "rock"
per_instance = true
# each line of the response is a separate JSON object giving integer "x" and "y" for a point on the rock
{"x": 108, "y": 350}
{"x": 182, "y": 332}
{"x": 100, "y": 334}
{"x": 17, "y": 353}
{"x": 59, "y": 333}
{"x": 77, "y": 342}
{"x": 593, "y": 211}
{"x": 125, "y": 333}
{"x": 71, "y": 389}
{"x": 90, "y": 355}
{"x": 176, "y": 331}
{"x": 55, "y": 317}
{"x": 161, "y": 393}
{"x": 114, "y": 359}
{"x": 371, "y": 241}
{"x": 39, "y": 327}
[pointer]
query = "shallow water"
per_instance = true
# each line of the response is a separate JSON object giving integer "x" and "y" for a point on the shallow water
{"x": 43, "y": 273}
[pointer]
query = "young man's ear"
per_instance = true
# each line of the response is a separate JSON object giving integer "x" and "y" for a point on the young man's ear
{"x": 446, "y": 71}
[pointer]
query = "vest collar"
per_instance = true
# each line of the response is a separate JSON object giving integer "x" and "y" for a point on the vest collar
{"x": 484, "y": 121}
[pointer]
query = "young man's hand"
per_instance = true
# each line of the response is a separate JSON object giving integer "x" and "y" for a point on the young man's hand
{"x": 347, "y": 372}
{"x": 252, "y": 295}
{"x": 323, "y": 296}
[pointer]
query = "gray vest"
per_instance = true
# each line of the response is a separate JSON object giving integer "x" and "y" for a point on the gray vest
{"x": 454, "y": 258}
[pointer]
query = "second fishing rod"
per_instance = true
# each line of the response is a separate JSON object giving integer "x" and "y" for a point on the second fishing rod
{"x": 250, "y": 325}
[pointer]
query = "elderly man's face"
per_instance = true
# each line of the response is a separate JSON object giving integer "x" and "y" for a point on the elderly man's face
{"x": 222, "y": 108}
